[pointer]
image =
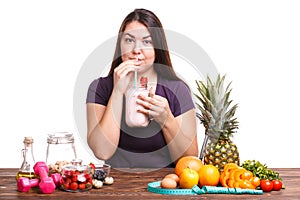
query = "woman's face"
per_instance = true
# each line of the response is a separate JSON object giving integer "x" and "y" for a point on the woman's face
{"x": 136, "y": 44}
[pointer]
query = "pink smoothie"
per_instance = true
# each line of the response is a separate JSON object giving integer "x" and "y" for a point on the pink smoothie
{"x": 134, "y": 118}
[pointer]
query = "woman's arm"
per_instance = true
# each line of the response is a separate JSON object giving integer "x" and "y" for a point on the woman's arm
{"x": 181, "y": 134}
{"x": 103, "y": 126}
{"x": 103, "y": 122}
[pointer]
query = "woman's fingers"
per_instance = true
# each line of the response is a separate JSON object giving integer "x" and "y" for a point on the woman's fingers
{"x": 152, "y": 99}
{"x": 124, "y": 68}
{"x": 153, "y": 106}
{"x": 151, "y": 92}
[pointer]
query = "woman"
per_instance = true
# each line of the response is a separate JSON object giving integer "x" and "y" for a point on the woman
{"x": 141, "y": 46}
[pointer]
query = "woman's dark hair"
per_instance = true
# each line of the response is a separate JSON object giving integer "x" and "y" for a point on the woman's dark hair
{"x": 162, "y": 63}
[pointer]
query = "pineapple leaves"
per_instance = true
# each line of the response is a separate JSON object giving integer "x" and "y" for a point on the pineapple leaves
{"x": 214, "y": 105}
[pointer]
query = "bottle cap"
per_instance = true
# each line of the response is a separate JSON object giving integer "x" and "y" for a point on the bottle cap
{"x": 28, "y": 140}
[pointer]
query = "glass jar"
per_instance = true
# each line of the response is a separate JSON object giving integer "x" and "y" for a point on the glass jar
{"x": 134, "y": 118}
{"x": 60, "y": 148}
{"x": 76, "y": 177}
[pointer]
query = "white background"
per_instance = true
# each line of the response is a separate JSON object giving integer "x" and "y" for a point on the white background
{"x": 43, "y": 45}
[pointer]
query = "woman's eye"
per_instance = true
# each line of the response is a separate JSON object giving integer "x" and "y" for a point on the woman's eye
{"x": 147, "y": 42}
{"x": 129, "y": 40}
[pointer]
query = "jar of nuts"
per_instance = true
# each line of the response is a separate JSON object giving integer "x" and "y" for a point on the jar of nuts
{"x": 60, "y": 150}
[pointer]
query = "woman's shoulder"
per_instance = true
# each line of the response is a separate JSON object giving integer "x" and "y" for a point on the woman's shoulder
{"x": 100, "y": 90}
{"x": 173, "y": 85}
{"x": 103, "y": 81}
{"x": 178, "y": 95}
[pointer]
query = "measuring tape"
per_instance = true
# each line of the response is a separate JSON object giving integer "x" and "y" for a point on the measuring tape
{"x": 155, "y": 188}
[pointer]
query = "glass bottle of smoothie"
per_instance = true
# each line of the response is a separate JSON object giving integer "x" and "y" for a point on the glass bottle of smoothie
{"x": 134, "y": 118}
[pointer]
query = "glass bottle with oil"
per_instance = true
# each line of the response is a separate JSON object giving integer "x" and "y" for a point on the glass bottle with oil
{"x": 26, "y": 169}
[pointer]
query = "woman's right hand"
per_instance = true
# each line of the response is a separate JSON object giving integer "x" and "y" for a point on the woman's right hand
{"x": 123, "y": 75}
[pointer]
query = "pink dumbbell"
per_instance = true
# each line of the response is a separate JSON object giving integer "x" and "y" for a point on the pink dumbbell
{"x": 47, "y": 185}
{"x": 56, "y": 179}
{"x": 24, "y": 184}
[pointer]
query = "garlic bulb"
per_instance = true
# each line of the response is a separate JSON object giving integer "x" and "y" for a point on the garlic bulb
{"x": 108, "y": 180}
{"x": 97, "y": 184}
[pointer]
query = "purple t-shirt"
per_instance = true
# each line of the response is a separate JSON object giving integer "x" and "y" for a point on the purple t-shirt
{"x": 143, "y": 147}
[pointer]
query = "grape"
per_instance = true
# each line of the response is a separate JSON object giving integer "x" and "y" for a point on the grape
{"x": 99, "y": 174}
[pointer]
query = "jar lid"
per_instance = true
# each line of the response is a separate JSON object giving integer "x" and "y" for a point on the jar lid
{"x": 60, "y": 138}
{"x": 76, "y": 162}
{"x": 71, "y": 167}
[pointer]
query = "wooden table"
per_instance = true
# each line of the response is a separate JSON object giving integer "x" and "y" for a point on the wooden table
{"x": 133, "y": 185}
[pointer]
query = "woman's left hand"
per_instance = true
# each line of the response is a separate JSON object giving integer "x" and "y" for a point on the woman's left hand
{"x": 155, "y": 106}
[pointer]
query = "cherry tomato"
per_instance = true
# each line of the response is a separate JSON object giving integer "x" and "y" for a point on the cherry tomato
{"x": 66, "y": 186}
{"x": 73, "y": 186}
{"x": 266, "y": 185}
{"x": 277, "y": 185}
{"x": 74, "y": 177}
{"x": 81, "y": 186}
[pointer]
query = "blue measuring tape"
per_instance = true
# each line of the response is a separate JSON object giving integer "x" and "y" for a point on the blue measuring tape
{"x": 155, "y": 188}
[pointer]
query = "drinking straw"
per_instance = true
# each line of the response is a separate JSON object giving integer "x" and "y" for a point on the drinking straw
{"x": 135, "y": 79}
{"x": 135, "y": 75}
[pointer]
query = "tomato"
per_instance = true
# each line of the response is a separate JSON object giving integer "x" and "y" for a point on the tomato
{"x": 66, "y": 186}
{"x": 277, "y": 185}
{"x": 74, "y": 177}
{"x": 73, "y": 186}
{"x": 81, "y": 186}
{"x": 266, "y": 185}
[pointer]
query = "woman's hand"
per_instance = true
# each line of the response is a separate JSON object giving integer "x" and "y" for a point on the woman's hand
{"x": 122, "y": 75}
{"x": 155, "y": 106}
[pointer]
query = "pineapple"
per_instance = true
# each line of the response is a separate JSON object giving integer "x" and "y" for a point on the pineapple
{"x": 219, "y": 122}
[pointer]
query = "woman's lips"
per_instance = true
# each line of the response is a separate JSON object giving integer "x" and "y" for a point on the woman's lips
{"x": 137, "y": 60}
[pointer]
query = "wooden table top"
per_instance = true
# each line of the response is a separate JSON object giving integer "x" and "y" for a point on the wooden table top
{"x": 133, "y": 185}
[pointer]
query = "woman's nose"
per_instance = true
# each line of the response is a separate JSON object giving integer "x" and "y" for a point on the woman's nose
{"x": 137, "y": 47}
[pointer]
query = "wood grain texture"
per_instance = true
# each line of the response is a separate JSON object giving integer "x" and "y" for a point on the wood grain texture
{"x": 133, "y": 186}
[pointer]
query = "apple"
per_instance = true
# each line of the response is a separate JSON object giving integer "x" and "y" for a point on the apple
{"x": 188, "y": 178}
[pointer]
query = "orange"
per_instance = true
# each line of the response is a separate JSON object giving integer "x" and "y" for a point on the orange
{"x": 209, "y": 175}
{"x": 188, "y": 178}
{"x": 191, "y": 162}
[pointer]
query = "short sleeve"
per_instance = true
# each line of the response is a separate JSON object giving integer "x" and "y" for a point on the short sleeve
{"x": 183, "y": 100}
{"x": 99, "y": 90}
{"x": 178, "y": 95}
